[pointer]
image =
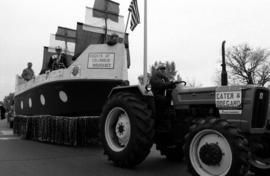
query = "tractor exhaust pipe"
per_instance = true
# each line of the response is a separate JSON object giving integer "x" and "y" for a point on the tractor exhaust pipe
{"x": 224, "y": 75}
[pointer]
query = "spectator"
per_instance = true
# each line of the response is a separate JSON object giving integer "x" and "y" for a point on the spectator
{"x": 28, "y": 73}
{"x": 57, "y": 61}
{"x": 2, "y": 111}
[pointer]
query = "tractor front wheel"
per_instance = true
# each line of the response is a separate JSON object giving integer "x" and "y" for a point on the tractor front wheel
{"x": 127, "y": 129}
{"x": 214, "y": 147}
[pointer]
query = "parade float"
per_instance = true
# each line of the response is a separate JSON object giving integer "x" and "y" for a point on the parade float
{"x": 222, "y": 130}
{"x": 64, "y": 99}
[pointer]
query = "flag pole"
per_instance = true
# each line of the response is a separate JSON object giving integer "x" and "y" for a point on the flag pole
{"x": 66, "y": 46}
{"x": 126, "y": 27}
{"x": 145, "y": 44}
{"x": 106, "y": 21}
{"x": 127, "y": 22}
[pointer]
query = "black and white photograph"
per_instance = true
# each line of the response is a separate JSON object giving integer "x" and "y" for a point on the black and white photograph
{"x": 135, "y": 87}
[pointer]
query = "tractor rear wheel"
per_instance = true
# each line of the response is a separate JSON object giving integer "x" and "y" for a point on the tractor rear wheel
{"x": 214, "y": 147}
{"x": 127, "y": 129}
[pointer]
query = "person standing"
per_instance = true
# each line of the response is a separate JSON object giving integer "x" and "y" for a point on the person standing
{"x": 57, "y": 61}
{"x": 2, "y": 111}
{"x": 28, "y": 72}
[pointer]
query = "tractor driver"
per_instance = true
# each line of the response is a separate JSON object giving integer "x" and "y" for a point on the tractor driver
{"x": 160, "y": 83}
{"x": 164, "y": 114}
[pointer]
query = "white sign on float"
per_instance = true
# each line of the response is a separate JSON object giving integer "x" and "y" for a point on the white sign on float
{"x": 101, "y": 61}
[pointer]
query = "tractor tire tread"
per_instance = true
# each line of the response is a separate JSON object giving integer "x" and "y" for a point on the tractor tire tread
{"x": 238, "y": 143}
{"x": 142, "y": 139}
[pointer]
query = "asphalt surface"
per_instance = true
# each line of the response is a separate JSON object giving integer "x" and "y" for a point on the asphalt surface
{"x": 19, "y": 157}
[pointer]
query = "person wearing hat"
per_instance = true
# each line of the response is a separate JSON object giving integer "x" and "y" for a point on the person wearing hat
{"x": 166, "y": 138}
{"x": 28, "y": 72}
{"x": 57, "y": 61}
{"x": 160, "y": 83}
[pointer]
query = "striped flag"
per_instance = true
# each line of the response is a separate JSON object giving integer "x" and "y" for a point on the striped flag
{"x": 135, "y": 15}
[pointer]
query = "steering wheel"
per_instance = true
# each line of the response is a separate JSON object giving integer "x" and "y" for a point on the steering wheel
{"x": 180, "y": 82}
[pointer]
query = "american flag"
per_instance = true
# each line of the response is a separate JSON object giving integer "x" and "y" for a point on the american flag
{"x": 135, "y": 15}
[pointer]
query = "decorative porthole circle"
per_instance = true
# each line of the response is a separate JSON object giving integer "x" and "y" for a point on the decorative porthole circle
{"x": 63, "y": 96}
{"x": 42, "y": 99}
{"x": 30, "y": 102}
{"x": 21, "y": 104}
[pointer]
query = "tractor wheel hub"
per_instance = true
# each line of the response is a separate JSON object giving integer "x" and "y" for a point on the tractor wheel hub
{"x": 211, "y": 154}
{"x": 122, "y": 130}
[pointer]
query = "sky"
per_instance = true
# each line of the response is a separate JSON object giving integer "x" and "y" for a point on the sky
{"x": 188, "y": 32}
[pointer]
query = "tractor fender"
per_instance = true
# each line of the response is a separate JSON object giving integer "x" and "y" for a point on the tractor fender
{"x": 140, "y": 91}
{"x": 136, "y": 89}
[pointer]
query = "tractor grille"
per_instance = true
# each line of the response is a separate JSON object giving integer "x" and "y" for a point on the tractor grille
{"x": 260, "y": 108}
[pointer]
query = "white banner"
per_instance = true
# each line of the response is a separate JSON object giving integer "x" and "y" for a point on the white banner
{"x": 101, "y": 60}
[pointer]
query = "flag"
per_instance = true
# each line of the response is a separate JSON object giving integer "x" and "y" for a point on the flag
{"x": 135, "y": 15}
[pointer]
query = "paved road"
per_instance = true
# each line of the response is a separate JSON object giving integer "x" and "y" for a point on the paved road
{"x": 19, "y": 157}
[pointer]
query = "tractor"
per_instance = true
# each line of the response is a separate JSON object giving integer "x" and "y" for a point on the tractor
{"x": 218, "y": 130}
